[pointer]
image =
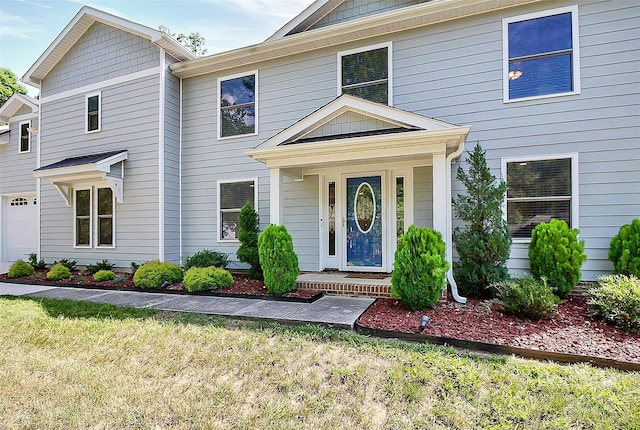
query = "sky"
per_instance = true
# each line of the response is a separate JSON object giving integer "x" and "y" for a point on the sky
{"x": 28, "y": 27}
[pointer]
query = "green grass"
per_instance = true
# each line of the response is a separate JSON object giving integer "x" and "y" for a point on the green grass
{"x": 74, "y": 365}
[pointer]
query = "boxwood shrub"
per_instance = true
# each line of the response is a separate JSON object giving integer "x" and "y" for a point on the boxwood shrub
{"x": 207, "y": 258}
{"x": 624, "y": 249}
{"x": 154, "y": 274}
{"x": 207, "y": 278}
{"x": 616, "y": 299}
{"x": 278, "y": 260}
{"x": 556, "y": 254}
{"x": 527, "y": 297}
{"x": 420, "y": 268}
{"x": 104, "y": 275}
{"x": 20, "y": 268}
{"x": 58, "y": 272}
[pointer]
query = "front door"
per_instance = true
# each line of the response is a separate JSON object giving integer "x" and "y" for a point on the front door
{"x": 364, "y": 232}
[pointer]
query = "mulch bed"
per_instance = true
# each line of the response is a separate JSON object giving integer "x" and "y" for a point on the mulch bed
{"x": 571, "y": 330}
{"x": 242, "y": 285}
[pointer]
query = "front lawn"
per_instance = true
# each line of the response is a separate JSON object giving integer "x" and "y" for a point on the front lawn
{"x": 81, "y": 365}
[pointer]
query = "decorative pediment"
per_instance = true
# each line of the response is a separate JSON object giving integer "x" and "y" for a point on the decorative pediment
{"x": 15, "y": 104}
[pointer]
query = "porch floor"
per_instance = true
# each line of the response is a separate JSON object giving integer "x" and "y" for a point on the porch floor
{"x": 347, "y": 283}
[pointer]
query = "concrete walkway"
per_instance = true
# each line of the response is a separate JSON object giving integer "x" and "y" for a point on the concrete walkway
{"x": 331, "y": 311}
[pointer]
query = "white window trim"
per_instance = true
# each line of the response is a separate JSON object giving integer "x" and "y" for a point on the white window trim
{"x": 575, "y": 36}
{"x": 20, "y": 151}
{"x": 75, "y": 223}
{"x": 389, "y": 46}
{"x": 255, "y": 104}
{"x": 86, "y": 112}
{"x": 93, "y": 218}
{"x": 575, "y": 186}
{"x": 219, "y": 218}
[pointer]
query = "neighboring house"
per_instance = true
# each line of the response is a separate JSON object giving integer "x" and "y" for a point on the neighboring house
{"x": 347, "y": 126}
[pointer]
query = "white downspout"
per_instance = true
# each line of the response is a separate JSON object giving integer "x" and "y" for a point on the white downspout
{"x": 449, "y": 234}
{"x": 180, "y": 177}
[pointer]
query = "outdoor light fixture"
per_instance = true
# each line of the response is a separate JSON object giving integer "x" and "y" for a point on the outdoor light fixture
{"x": 424, "y": 320}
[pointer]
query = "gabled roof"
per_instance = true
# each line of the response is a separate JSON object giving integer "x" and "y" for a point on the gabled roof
{"x": 84, "y": 19}
{"x": 14, "y": 104}
{"x": 307, "y": 18}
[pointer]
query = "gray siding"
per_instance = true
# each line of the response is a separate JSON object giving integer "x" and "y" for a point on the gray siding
{"x": 129, "y": 121}
{"x": 172, "y": 168}
{"x": 102, "y": 53}
{"x": 16, "y": 169}
{"x": 354, "y": 9}
{"x": 301, "y": 217}
{"x": 423, "y": 197}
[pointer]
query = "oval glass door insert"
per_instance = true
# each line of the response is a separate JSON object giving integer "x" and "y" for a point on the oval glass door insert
{"x": 364, "y": 207}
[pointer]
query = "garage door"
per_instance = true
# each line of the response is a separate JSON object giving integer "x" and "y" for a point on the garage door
{"x": 19, "y": 235}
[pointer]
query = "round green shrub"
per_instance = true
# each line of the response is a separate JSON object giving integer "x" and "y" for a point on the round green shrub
{"x": 420, "y": 268}
{"x": 624, "y": 249}
{"x": 278, "y": 260}
{"x": 20, "y": 268}
{"x": 556, "y": 254}
{"x": 207, "y": 258}
{"x": 616, "y": 299}
{"x": 154, "y": 273}
{"x": 207, "y": 278}
{"x": 104, "y": 275}
{"x": 58, "y": 271}
{"x": 527, "y": 297}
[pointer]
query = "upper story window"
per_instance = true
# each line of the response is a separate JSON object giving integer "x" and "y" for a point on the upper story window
{"x": 237, "y": 105}
{"x": 539, "y": 190}
{"x": 541, "y": 54}
{"x": 25, "y": 137}
{"x": 232, "y": 196}
{"x": 366, "y": 73}
{"x": 93, "y": 110}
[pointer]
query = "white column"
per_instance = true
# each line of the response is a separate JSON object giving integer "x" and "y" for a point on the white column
{"x": 275, "y": 196}
{"x": 440, "y": 202}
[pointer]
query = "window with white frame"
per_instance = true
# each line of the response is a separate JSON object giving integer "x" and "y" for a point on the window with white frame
{"x": 366, "y": 73}
{"x": 541, "y": 54}
{"x": 237, "y": 105}
{"x": 25, "y": 137}
{"x": 539, "y": 190}
{"x": 93, "y": 111}
{"x": 232, "y": 196}
{"x": 94, "y": 217}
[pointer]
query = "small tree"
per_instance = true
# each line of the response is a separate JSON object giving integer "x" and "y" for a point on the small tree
{"x": 484, "y": 245}
{"x": 624, "y": 249}
{"x": 419, "y": 268}
{"x": 278, "y": 259}
{"x": 249, "y": 223}
{"x": 556, "y": 254}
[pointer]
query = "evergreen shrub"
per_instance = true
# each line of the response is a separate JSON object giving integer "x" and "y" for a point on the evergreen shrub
{"x": 249, "y": 229}
{"x": 37, "y": 264}
{"x": 20, "y": 268}
{"x": 616, "y": 299}
{"x": 154, "y": 273}
{"x": 207, "y": 258}
{"x": 484, "y": 244}
{"x": 624, "y": 249}
{"x": 207, "y": 278}
{"x": 100, "y": 265}
{"x": 527, "y": 297}
{"x": 58, "y": 272}
{"x": 278, "y": 260}
{"x": 69, "y": 264}
{"x": 420, "y": 268}
{"x": 556, "y": 254}
{"x": 104, "y": 275}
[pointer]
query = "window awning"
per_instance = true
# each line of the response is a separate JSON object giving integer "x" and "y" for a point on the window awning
{"x": 107, "y": 167}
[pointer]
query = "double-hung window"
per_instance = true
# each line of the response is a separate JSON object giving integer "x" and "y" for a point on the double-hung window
{"x": 94, "y": 216}
{"x": 93, "y": 112}
{"x": 237, "y": 105}
{"x": 541, "y": 54}
{"x": 25, "y": 137}
{"x": 232, "y": 196}
{"x": 539, "y": 190}
{"x": 366, "y": 73}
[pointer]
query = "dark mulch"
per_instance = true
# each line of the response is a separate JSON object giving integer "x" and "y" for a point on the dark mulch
{"x": 571, "y": 330}
{"x": 242, "y": 285}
